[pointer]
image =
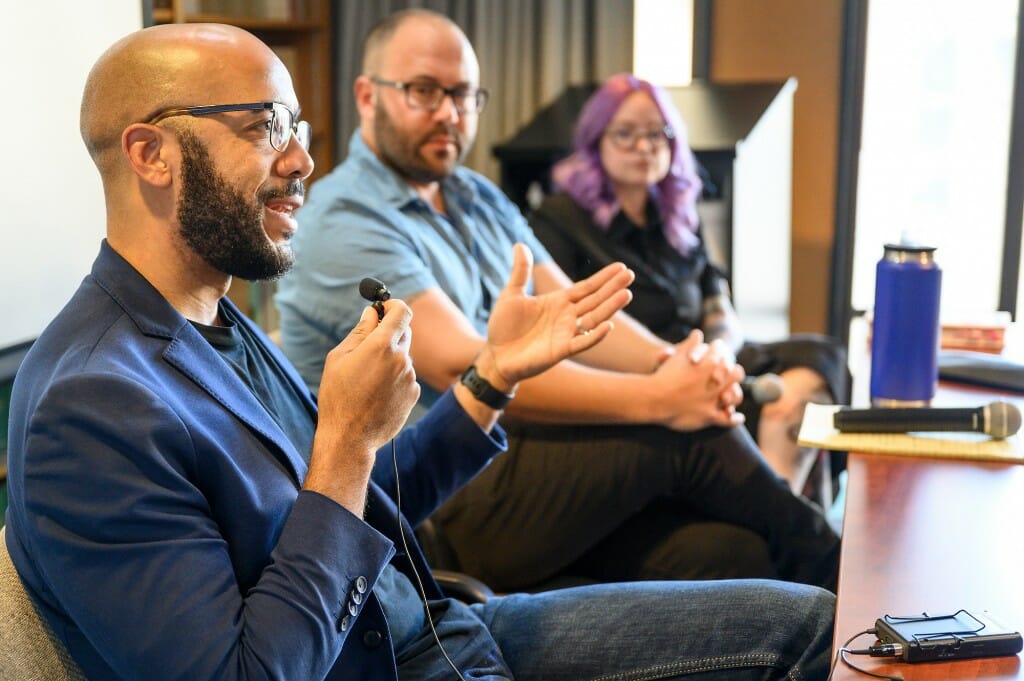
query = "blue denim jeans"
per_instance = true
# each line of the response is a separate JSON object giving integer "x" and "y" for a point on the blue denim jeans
{"x": 731, "y": 629}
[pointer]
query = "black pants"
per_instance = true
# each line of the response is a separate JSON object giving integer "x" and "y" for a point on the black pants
{"x": 616, "y": 503}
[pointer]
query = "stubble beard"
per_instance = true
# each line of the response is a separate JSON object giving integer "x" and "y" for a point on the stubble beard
{"x": 402, "y": 153}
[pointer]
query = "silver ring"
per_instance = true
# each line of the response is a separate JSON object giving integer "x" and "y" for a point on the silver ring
{"x": 579, "y": 327}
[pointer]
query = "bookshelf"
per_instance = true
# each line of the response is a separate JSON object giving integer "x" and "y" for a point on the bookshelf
{"x": 299, "y": 31}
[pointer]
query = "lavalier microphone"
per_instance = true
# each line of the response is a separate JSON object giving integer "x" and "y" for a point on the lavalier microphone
{"x": 376, "y": 292}
{"x": 998, "y": 419}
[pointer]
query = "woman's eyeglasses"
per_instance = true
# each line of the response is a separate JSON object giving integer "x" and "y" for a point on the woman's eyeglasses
{"x": 626, "y": 138}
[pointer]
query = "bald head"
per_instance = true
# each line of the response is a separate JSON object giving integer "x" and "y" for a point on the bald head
{"x": 375, "y": 51}
{"x": 165, "y": 66}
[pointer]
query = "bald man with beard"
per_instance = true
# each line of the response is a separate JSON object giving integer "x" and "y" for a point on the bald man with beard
{"x": 180, "y": 508}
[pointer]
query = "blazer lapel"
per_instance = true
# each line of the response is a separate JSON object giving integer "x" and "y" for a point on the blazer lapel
{"x": 192, "y": 355}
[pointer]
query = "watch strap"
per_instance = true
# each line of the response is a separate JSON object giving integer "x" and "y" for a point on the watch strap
{"x": 483, "y": 391}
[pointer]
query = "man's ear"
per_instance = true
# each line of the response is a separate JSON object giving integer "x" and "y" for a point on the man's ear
{"x": 146, "y": 150}
{"x": 366, "y": 97}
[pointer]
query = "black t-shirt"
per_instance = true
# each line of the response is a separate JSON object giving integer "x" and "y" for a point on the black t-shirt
{"x": 257, "y": 369}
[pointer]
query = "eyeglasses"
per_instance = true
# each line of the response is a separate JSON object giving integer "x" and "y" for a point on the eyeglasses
{"x": 626, "y": 138}
{"x": 283, "y": 123}
{"x": 426, "y": 95}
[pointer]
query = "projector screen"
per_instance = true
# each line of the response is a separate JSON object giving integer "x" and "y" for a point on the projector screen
{"x": 53, "y": 218}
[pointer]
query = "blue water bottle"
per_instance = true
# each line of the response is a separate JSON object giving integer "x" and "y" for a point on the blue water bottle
{"x": 905, "y": 331}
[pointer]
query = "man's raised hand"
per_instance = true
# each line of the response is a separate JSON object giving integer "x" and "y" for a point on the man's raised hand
{"x": 528, "y": 334}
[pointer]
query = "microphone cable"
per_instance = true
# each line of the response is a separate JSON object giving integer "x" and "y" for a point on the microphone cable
{"x": 877, "y": 650}
{"x": 415, "y": 572}
{"x": 375, "y": 291}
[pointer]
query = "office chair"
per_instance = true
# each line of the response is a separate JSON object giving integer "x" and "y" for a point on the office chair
{"x": 28, "y": 649}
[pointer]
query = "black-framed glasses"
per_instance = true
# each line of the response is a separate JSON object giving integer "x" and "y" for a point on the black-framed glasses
{"x": 427, "y": 95}
{"x": 284, "y": 122}
{"x": 626, "y": 138}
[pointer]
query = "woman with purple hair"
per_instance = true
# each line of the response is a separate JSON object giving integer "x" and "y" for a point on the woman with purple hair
{"x": 629, "y": 193}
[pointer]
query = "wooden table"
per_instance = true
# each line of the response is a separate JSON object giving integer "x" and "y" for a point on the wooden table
{"x": 931, "y": 535}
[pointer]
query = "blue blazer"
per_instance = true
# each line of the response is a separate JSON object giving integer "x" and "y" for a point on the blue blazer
{"x": 156, "y": 514}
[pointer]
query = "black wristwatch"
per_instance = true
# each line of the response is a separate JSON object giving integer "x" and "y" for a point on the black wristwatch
{"x": 483, "y": 391}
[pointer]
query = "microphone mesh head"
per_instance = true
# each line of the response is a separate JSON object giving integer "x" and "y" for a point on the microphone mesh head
{"x": 1003, "y": 420}
{"x": 766, "y": 388}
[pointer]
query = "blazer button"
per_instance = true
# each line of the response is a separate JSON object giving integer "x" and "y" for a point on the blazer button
{"x": 372, "y": 639}
{"x": 353, "y": 609}
{"x": 356, "y": 596}
{"x": 361, "y": 584}
{"x": 344, "y": 623}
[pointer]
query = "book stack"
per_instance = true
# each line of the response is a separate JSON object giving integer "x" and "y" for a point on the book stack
{"x": 986, "y": 333}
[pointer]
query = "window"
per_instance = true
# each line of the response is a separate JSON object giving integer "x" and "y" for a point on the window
{"x": 938, "y": 95}
{"x": 663, "y": 41}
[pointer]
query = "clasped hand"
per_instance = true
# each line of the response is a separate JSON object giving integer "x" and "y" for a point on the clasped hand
{"x": 700, "y": 385}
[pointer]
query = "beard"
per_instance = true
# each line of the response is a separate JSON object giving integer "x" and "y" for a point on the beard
{"x": 401, "y": 151}
{"x": 221, "y": 225}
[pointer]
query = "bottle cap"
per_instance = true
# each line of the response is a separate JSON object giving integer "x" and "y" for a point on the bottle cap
{"x": 909, "y": 253}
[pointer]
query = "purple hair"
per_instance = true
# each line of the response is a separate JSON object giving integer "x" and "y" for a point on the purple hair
{"x": 583, "y": 177}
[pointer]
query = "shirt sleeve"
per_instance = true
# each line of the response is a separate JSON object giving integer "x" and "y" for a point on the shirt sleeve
{"x": 341, "y": 241}
{"x": 350, "y": 241}
{"x": 517, "y": 224}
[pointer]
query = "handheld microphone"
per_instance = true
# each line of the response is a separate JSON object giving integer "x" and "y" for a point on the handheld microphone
{"x": 376, "y": 292}
{"x": 762, "y": 389}
{"x": 998, "y": 419}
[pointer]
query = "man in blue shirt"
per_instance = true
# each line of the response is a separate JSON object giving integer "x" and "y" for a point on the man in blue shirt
{"x": 181, "y": 509}
{"x": 624, "y": 463}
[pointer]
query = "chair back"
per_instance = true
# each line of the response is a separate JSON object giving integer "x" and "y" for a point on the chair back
{"x": 28, "y": 649}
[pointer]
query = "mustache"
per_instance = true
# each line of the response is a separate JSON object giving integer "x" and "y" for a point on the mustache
{"x": 447, "y": 130}
{"x": 293, "y": 188}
